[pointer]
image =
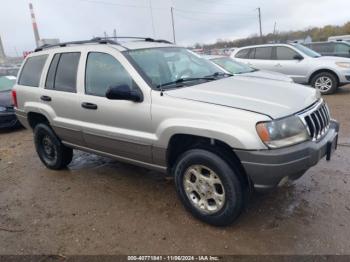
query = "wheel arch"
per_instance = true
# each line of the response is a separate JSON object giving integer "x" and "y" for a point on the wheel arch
{"x": 321, "y": 71}
{"x": 180, "y": 143}
{"x": 35, "y": 118}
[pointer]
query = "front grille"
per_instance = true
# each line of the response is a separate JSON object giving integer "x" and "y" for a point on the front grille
{"x": 317, "y": 120}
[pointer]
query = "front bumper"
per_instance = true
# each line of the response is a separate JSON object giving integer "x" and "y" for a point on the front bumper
{"x": 8, "y": 119}
{"x": 270, "y": 168}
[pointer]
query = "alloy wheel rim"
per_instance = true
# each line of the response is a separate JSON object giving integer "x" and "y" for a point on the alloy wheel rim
{"x": 204, "y": 189}
{"x": 48, "y": 148}
{"x": 324, "y": 83}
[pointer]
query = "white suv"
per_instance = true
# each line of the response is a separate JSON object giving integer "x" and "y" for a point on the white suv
{"x": 160, "y": 106}
{"x": 302, "y": 64}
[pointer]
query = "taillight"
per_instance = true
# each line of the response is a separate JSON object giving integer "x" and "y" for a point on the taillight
{"x": 14, "y": 98}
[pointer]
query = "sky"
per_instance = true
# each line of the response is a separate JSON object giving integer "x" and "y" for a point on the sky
{"x": 196, "y": 21}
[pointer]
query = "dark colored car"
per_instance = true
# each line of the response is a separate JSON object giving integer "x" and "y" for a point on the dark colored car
{"x": 335, "y": 48}
{"x": 7, "y": 114}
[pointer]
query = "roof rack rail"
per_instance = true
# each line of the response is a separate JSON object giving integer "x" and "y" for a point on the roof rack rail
{"x": 101, "y": 40}
{"x": 147, "y": 39}
{"x": 94, "y": 40}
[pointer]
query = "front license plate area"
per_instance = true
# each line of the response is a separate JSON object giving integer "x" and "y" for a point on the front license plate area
{"x": 331, "y": 146}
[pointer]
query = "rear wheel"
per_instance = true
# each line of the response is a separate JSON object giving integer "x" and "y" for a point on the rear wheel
{"x": 50, "y": 149}
{"x": 326, "y": 82}
{"x": 209, "y": 187}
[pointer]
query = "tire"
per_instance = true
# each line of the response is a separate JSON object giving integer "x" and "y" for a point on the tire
{"x": 231, "y": 189}
{"x": 51, "y": 151}
{"x": 326, "y": 82}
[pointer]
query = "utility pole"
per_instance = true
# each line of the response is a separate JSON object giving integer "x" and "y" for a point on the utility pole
{"x": 173, "y": 24}
{"x": 274, "y": 32}
{"x": 150, "y": 7}
{"x": 259, "y": 11}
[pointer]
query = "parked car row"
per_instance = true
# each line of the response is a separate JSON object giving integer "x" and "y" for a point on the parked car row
{"x": 333, "y": 48}
{"x": 8, "y": 118}
{"x": 221, "y": 129}
{"x": 303, "y": 65}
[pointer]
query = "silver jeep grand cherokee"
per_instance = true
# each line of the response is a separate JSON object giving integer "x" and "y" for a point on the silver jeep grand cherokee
{"x": 153, "y": 104}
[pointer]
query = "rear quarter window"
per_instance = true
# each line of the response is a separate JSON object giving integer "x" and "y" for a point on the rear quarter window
{"x": 243, "y": 53}
{"x": 32, "y": 70}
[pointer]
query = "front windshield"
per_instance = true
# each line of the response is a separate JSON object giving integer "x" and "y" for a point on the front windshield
{"x": 168, "y": 64}
{"x": 232, "y": 66}
{"x": 6, "y": 83}
{"x": 307, "y": 51}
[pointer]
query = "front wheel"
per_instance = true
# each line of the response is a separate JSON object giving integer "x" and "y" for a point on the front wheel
{"x": 326, "y": 82}
{"x": 209, "y": 187}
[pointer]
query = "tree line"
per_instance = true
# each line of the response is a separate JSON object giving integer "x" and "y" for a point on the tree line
{"x": 316, "y": 33}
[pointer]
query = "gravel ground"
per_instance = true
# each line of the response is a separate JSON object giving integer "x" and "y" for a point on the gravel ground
{"x": 101, "y": 206}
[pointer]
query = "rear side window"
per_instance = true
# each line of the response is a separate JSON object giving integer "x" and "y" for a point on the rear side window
{"x": 62, "y": 75}
{"x": 343, "y": 48}
{"x": 32, "y": 70}
{"x": 323, "y": 47}
{"x": 263, "y": 53}
{"x": 104, "y": 71}
{"x": 242, "y": 54}
{"x": 285, "y": 53}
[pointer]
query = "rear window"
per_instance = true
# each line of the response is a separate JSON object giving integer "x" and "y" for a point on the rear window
{"x": 263, "y": 53}
{"x": 32, "y": 70}
{"x": 62, "y": 75}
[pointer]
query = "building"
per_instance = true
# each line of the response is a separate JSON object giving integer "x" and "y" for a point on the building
{"x": 48, "y": 41}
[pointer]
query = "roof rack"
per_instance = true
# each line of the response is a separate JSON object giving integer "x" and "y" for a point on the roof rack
{"x": 147, "y": 39}
{"x": 101, "y": 40}
{"x": 94, "y": 40}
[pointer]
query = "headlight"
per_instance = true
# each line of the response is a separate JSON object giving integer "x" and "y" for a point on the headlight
{"x": 343, "y": 64}
{"x": 282, "y": 132}
{"x": 2, "y": 109}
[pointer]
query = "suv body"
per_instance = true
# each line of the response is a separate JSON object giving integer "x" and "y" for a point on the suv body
{"x": 219, "y": 135}
{"x": 333, "y": 48}
{"x": 302, "y": 64}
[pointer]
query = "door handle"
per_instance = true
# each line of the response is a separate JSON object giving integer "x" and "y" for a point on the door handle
{"x": 45, "y": 98}
{"x": 278, "y": 65}
{"x": 89, "y": 105}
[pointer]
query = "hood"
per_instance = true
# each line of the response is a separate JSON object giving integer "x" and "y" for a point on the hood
{"x": 273, "y": 98}
{"x": 5, "y": 98}
{"x": 269, "y": 75}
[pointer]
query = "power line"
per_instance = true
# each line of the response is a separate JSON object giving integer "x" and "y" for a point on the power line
{"x": 210, "y": 13}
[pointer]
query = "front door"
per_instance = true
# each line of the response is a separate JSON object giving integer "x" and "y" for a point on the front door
{"x": 287, "y": 63}
{"x": 117, "y": 127}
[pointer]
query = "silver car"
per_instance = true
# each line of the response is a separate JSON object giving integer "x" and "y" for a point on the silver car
{"x": 302, "y": 64}
{"x": 237, "y": 68}
{"x": 160, "y": 106}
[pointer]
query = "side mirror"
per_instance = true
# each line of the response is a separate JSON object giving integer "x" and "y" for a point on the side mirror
{"x": 298, "y": 57}
{"x": 124, "y": 92}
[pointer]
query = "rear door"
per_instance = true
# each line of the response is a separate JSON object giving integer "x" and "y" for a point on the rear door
{"x": 262, "y": 58}
{"x": 286, "y": 62}
{"x": 59, "y": 96}
{"x": 117, "y": 127}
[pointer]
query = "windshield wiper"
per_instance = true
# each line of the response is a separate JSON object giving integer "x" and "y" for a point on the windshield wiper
{"x": 183, "y": 80}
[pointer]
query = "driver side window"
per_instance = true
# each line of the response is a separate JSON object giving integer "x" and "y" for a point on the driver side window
{"x": 103, "y": 71}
